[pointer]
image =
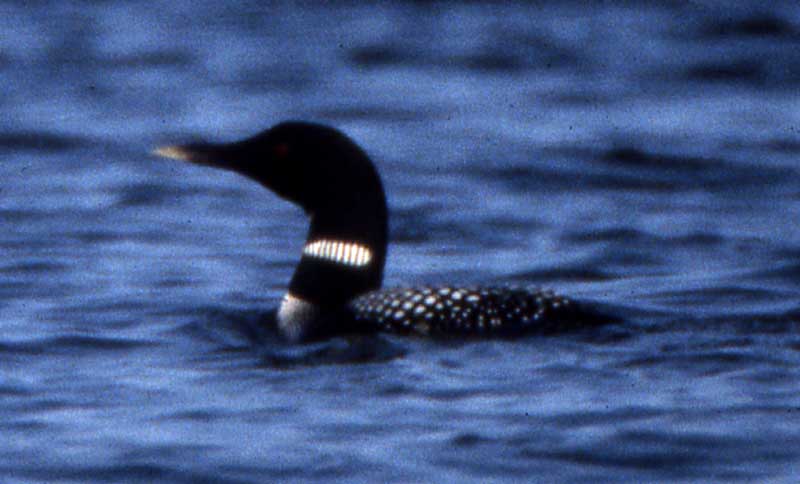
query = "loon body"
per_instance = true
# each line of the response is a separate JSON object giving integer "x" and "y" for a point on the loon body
{"x": 336, "y": 287}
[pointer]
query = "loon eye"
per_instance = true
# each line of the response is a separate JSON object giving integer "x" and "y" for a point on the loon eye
{"x": 280, "y": 150}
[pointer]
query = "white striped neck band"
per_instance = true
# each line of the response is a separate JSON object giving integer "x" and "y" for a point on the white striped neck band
{"x": 348, "y": 253}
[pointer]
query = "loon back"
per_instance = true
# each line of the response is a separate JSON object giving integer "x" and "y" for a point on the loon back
{"x": 335, "y": 285}
{"x": 468, "y": 311}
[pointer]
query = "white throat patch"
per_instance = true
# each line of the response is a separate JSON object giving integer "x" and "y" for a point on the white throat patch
{"x": 348, "y": 253}
{"x": 294, "y": 317}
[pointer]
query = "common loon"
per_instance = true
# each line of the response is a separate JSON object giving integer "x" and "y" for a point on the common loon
{"x": 336, "y": 287}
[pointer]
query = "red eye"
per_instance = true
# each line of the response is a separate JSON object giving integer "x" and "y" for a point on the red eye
{"x": 280, "y": 150}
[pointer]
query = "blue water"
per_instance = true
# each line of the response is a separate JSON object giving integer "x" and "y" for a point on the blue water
{"x": 641, "y": 156}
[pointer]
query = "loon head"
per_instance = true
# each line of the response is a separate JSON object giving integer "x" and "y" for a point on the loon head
{"x": 309, "y": 164}
{"x": 334, "y": 181}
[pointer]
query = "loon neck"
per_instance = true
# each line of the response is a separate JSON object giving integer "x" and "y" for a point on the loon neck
{"x": 345, "y": 251}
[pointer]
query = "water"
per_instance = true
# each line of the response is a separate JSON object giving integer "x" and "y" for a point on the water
{"x": 640, "y": 155}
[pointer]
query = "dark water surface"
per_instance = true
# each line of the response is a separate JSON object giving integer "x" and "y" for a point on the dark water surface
{"x": 642, "y": 155}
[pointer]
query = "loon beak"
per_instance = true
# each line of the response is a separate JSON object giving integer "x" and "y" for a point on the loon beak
{"x": 174, "y": 152}
{"x": 206, "y": 154}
